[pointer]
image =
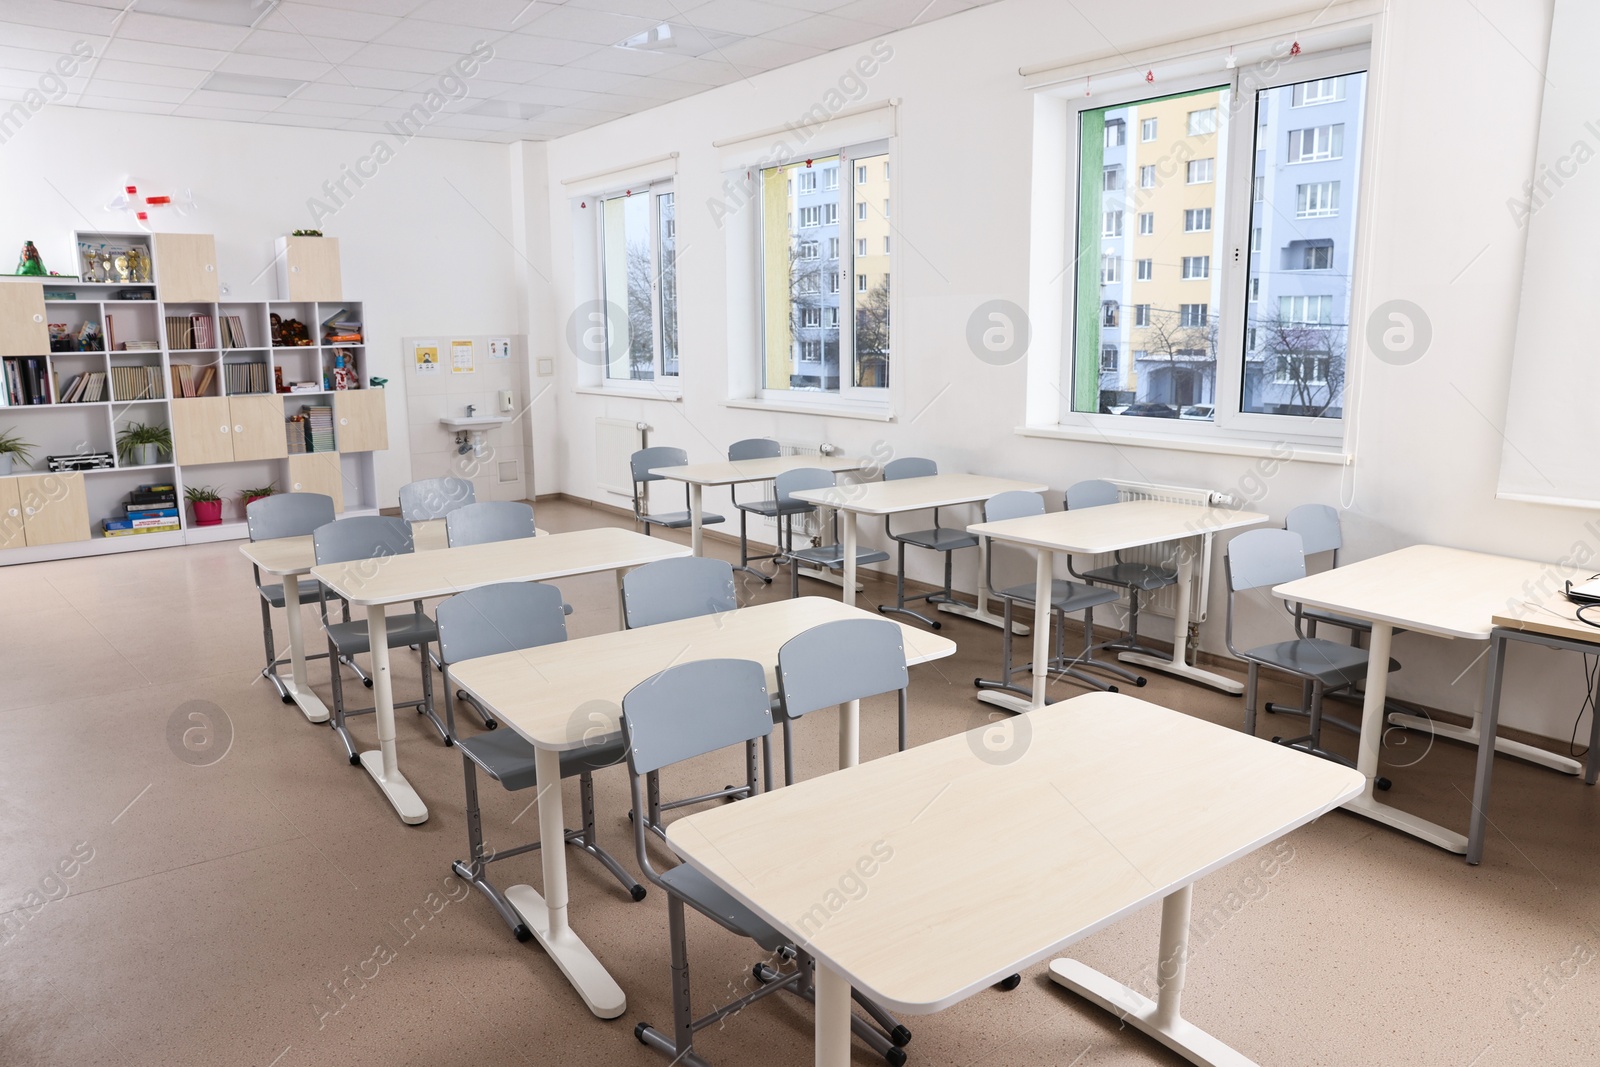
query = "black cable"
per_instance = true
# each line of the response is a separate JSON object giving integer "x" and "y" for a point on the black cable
{"x": 1587, "y": 621}
{"x": 1591, "y": 664}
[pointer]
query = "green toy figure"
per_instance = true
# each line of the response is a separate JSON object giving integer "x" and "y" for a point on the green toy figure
{"x": 29, "y": 264}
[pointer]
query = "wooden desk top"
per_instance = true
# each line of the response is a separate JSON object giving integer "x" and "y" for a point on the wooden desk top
{"x": 980, "y": 867}
{"x": 294, "y": 555}
{"x": 1553, "y": 616}
{"x": 562, "y": 696}
{"x": 728, "y": 472}
{"x": 1113, "y": 527}
{"x": 915, "y": 494}
{"x": 1447, "y": 592}
{"x": 423, "y": 575}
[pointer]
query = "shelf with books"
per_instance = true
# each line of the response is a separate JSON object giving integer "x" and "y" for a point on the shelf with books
{"x": 132, "y": 327}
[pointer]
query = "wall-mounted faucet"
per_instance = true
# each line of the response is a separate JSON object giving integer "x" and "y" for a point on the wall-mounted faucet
{"x": 472, "y": 410}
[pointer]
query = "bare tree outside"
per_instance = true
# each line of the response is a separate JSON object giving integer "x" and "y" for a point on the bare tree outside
{"x": 1308, "y": 359}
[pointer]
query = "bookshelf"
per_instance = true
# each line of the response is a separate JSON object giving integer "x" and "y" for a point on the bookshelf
{"x": 94, "y": 357}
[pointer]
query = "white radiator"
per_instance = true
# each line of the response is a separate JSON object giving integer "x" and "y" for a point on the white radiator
{"x": 806, "y": 527}
{"x": 615, "y": 442}
{"x": 1165, "y": 601}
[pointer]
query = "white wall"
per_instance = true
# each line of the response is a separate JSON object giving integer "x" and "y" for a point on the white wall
{"x": 425, "y": 258}
{"x": 1454, "y": 137}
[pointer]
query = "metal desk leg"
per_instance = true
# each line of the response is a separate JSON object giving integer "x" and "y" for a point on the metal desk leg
{"x": 1490, "y": 722}
{"x": 849, "y": 558}
{"x": 1043, "y": 579}
{"x": 980, "y": 611}
{"x": 296, "y": 685}
{"x": 849, "y": 734}
{"x": 1591, "y": 767}
{"x": 697, "y": 542}
{"x": 1177, "y": 665}
{"x": 383, "y": 762}
{"x": 833, "y": 1018}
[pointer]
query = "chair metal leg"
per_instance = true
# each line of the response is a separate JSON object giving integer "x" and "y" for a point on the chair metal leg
{"x": 587, "y": 841}
{"x": 337, "y": 719}
{"x": 1312, "y": 742}
{"x": 745, "y": 558}
{"x": 899, "y": 607}
{"x": 426, "y": 707}
{"x": 474, "y": 870}
{"x": 269, "y": 672}
{"x": 1251, "y": 677}
{"x": 1087, "y": 661}
{"x": 788, "y": 752}
{"x": 1007, "y": 670}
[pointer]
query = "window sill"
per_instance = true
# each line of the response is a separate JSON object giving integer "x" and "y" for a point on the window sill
{"x": 1227, "y": 446}
{"x": 634, "y": 391}
{"x": 839, "y": 409}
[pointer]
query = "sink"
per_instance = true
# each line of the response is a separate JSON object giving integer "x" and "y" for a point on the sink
{"x": 473, "y": 422}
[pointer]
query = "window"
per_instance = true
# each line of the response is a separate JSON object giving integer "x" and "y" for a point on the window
{"x": 1316, "y": 143}
{"x": 1116, "y": 134}
{"x": 1141, "y": 314}
{"x": 1196, "y": 268}
{"x": 1316, "y": 257}
{"x": 1197, "y": 220}
{"x": 1145, "y": 270}
{"x": 1250, "y": 339}
{"x": 1258, "y": 188}
{"x": 1113, "y": 224}
{"x": 1308, "y": 370}
{"x": 1147, "y": 176}
{"x": 1192, "y": 314}
{"x": 886, "y": 171}
{"x": 1203, "y": 122}
{"x": 1108, "y": 357}
{"x": 1147, "y": 223}
{"x": 1199, "y": 171}
{"x": 1305, "y": 310}
{"x": 638, "y": 277}
{"x": 1321, "y": 91}
{"x": 1255, "y": 289}
{"x": 886, "y": 209}
{"x": 819, "y": 332}
{"x": 1255, "y": 239}
{"x": 1113, "y": 179}
{"x": 1108, "y": 313}
{"x": 1110, "y": 269}
{"x": 1147, "y": 130}
{"x": 1317, "y": 200}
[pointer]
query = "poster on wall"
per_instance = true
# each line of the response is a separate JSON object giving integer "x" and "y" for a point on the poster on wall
{"x": 461, "y": 357}
{"x": 427, "y": 357}
{"x": 499, "y": 348}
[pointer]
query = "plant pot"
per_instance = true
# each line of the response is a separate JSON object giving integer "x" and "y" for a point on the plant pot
{"x": 207, "y": 512}
{"x": 5, "y": 464}
{"x": 251, "y": 500}
{"x": 146, "y": 455}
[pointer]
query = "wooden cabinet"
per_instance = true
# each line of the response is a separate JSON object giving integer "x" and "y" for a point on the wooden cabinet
{"x": 308, "y": 269}
{"x": 258, "y": 428}
{"x": 55, "y": 508}
{"x": 23, "y": 331}
{"x": 318, "y": 472}
{"x": 202, "y": 430}
{"x": 11, "y": 535}
{"x": 186, "y": 267}
{"x": 360, "y": 421}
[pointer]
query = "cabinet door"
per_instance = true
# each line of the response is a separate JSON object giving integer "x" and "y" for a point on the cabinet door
{"x": 361, "y": 421}
{"x": 258, "y": 431}
{"x": 186, "y": 267}
{"x": 22, "y": 326}
{"x": 308, "y": 269}
{"x": 318, "y": 472}
{"x": 202, "y": 430}
{"x": 10, "y": 515}
{"x": 55, "y": 508}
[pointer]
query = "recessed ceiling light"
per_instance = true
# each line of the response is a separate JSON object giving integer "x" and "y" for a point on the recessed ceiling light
{"x": 254, "y": 84}
{"x": 506, "y": 109}
{"x": 226, "y": 12}
{"x": 687, "y": 41}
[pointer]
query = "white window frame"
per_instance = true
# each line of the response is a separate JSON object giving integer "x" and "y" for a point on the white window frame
{"x": 1147, "y": 176}
{"x": 1320, "y": 153}
{"x": 1147, "y": 223}
{"x": 1115, "y": 352}
{"x": 1196, "y": 268}
{"x": 662, "y": 384}
{"x": 1111, "y": 225}
{"x": 1194, "y": 167}
{"x": 1324, "y": 195}
{"x": 1144, "y": 270}
{"x": 1148, "y": 130}
{"x": 1191, "y": 214}
{"x": 1207, "y": 123}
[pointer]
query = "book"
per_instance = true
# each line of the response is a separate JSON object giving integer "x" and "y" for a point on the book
{"x": 151, "y": 511}
{"x": 140, "y": 530}
{"x": 164, "y": 522}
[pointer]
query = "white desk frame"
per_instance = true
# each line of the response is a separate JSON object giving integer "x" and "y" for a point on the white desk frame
{"x": 1105, "y": 529}
{"x": 742, "y": 472}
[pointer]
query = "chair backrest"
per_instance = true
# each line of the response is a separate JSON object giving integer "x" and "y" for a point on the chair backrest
{"x": 659, "y": 456}
{"x": 790, "y": 482}
{"x": 287, "y": 515}
{"x": 694, "y": 708}
{"x": 1091, "y": 494}
{"x": 839, "y": 661}
{"x": 754, "y": 448}
{"x": 434, "y": 498}
{"x": 909, "y": 467}
{"x": 1013, "y": 504}
{"x": 1318, "y": 527}
{"x": 672, "y": 589}
{"x": 361, "y": 537}
{"x": 492, "y": 520}
{"x": 492, "y": 619}
{"x": 1259, "y": 558}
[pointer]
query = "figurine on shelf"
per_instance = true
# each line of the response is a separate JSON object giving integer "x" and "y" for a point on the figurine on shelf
{"x": 277, "y": 330}
{"x": 343, "y": 376}
{"x": 29, "y": 263}
{"x": 377, "y": 383}
{"x": 138, "y": 266}
{"x": 277, "y": 375}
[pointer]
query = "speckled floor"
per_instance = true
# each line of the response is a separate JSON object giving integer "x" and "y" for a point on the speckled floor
{"x": 269, "y": 909}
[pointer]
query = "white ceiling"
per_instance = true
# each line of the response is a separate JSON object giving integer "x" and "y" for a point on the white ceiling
{"x": 364, "y": 62}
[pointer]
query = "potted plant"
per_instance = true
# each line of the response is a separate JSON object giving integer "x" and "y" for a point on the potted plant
{"x": 207, "y": 504}
{"x": 250, "y": 496}
{"x": 139, "y": 445}
{"x": 12, "y": 445}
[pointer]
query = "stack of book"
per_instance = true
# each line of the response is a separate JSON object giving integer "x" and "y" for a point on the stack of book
{"x": 319, "y": 428}
{"x": 80, "y": 461}
{"x": 233, "y": 332}
{"x": 86, "y": 388}
{"x": 190, "y": 331}
{"x": 27, "y": 381}
{"x": 139, "y": 346}
{"x": 341, "y": 329}
{"x": 136, "y": 383}
{"x": 247, "y": 378}
{"x": 295, "y": 429}
{"x": 185, "y": 382}
{"x": 149, "y": 509}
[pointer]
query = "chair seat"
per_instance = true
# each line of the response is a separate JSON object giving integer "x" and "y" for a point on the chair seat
{"x": 774, "y": 508}
{"x": 681, "y": 520}
{"x": 310, "y": 592}
{"x": 833, "y": 555}
{"x": 509, "y": 759}
{"x": 1333, "y": 664}
{"x": 1144, "y": 576}
{"x": 698, "y": 891}
{"x": 1064, "y": 595}
{"x": 940, "y": 540}
{"x": 412, "y": 628}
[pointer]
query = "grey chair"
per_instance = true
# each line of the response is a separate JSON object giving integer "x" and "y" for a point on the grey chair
{"x": 757, "y": 448}
{"x": 667, "y": 591}
{"x": 835, "y": 663}
{"x": 434, "y": 498}
{"x": 288, "y": 515}
{"x": 938, "y": 539}
{"x": 686, "y": 711}
{"x": 487, "y": 621}
{"x": 641, "y": 463}
{"x": 1135, "y": 577}
{"x": 1066, "y": 598}
{"x": 831, "y": 554}
{"x": 1261, "y": 559}
{"x": 492, "y": 520}
{"x": 373, "y": 538}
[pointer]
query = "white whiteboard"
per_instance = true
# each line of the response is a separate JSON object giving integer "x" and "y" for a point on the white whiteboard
{"x": 1551, "y": 452}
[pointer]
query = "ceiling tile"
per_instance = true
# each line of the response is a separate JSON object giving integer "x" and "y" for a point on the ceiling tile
{"x": 115, "y": 90}
{"x": 58, "y": 14}
{"x": 454, "y": 37}
{"x": 706, "y": 72}
{"x": 275, "y": 67}
{"x": 30, "y": 59}
{"x": 148, "y": 73}
{"x": 532, "y": 48}
{"x": 826, "y": 32}
{"x": 144, "y": 107}
{"x": 393, "y": 57}
{"x": 377, "y": 77}
{"x": 499, "y": 15}
{"x": 595, "y": 27}
{"x": 630, "y": 60}
{"x": 654, "y": 10}
{"x": 234, "y": 101}
{"x": 595, "y": 81}
{"x": 205, "y": 111}
{"x": 45, "y": 39}
{"x": 299, "y": 46}
{"x": 543, "y": 94}
{"x": 333, "y": 90}
{"x": 164, "y": 54}
{"x": 299, "y": 105}
{"x": 744, "y": 17}
{"x": 756, "y": 53}
{"x": 161, "y": 29}
{"x": 898, "y": 14}
{"x": 318, "y": 21}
